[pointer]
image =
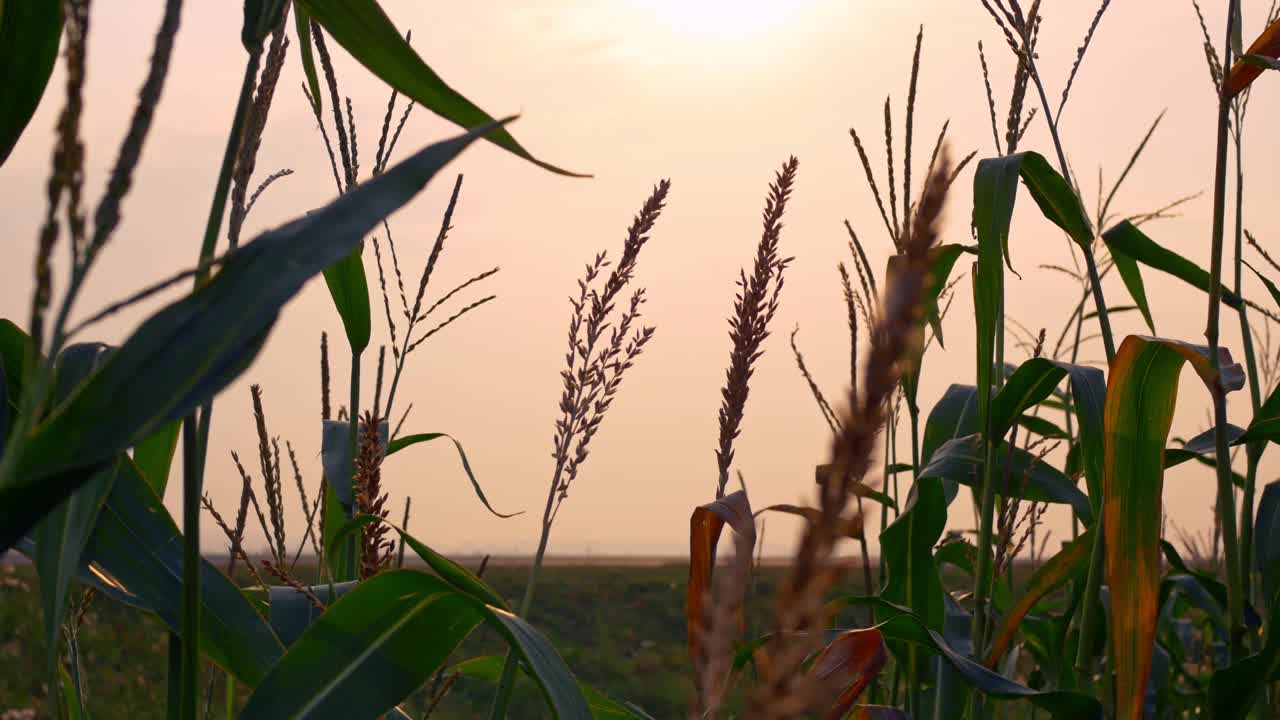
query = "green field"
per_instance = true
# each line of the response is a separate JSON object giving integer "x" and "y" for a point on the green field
{"x": 621, "y": 630}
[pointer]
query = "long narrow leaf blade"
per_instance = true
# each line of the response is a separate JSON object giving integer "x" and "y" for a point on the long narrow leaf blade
{"x": 154, "y": 455}
{"x": 190, "y": 350}
{"x": 349, "y": 289}
{"x": 1127, "y": 240}
{"x": 137, "y": 549}
{"x": 383, "y": 639}
{"x": 1141, "y": 393}
{"x": 401, "y": 443}
{"x": 1048, "y": 578}
{"x": 29, "y": 34}
{"x": 366, "y": 32}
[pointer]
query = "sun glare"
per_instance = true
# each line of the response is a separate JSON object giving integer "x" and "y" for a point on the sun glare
{"x": 718, "y": 19}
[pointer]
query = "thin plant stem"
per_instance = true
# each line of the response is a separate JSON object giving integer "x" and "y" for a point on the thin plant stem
{"x": 1090, "y": 608}
{"x": 1226, "y": 490}
{"x": 195, "y": 433}
{"x": 191, "y": 490}
{"x": 214, "y": 224}
{"x": 884, "y": 509}
{"x": 1253, "y": 452}
{"x": 506, "y": 682}
{"x": 913, "y": 682}
{"x": 354, "y": 415}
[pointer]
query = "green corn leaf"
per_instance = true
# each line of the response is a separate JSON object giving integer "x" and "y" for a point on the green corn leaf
{"x": 1206, "y": 591}
{"x": 901, "y": 624}
{"x": 136, "y": 550}
{"x": 188, "y": 351}
{"x": 1042, "y": 427}
{"x": 1068, "y": 562}
{"x": 1132, "y": 277}
{"x": 488, "y": 670}
{"x": 349, "y": 289}
{"x": 1266, "y": 543}
{"x": 1033, "y": 382}
{"x": 4, "y": 408}
{"x": 961, "y": 461}
{"x": 260, "y": 16}
{"x": 942, "y": 259}
{"x": 1202, "y": 447}
{"x": 154, "y": 455}
{"x": 1113, "y": 310}
{"x": 1271, "y": 287}
{"x": 955, "y": 415}
{"x": 17, "y": 352}
{"x": 384, "y": 638}
{"x": 1057, "y": 201}
{"x": 1141, "y": 392}
{"x": 1234, "y": 690}
{"x": 337, "y": 466}
{"x": 29, "y": 35}
{"x": 995, "y": 188}
{"x": 451, "y": 572}
{"x": 292, "y": 612}
{"x": 957, "y": 552}
{"x": 335, "y": 455}
{"x": 62, "y": 535}
{"x": 333, "y": 517}
{"x": 1125, "y": 240}
{"x": 302, "y": 28}
{"x": 907, "y": 547}
{"x": 366, "y": 32}
{"x": 403, "y": 442}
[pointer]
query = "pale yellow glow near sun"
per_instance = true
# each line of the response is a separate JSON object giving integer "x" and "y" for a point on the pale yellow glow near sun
{"x": 720, "y": 20}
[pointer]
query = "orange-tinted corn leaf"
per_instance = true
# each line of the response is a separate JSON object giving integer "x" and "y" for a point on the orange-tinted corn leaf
{"x": 850, "y": 662}
{"x": 1243, "y": 72}
{"x": 1142, "y": 390}
{"x": 705, "y": 526}
{"x": 1052, "y": 575}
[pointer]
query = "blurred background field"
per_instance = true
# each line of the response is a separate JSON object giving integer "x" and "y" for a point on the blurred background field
{"x": 620, "y": 626}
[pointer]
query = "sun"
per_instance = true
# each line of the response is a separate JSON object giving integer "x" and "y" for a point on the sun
{"x": 717, "y": 19}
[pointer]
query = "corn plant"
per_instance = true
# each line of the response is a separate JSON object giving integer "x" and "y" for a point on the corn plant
{"x": 1112, "y": 623}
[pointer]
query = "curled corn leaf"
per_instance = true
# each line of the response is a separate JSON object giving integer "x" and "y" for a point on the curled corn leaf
{"x": 1142, "y": 389}
{"x": 851, "y": 661}
{"x": 1052, "y": 575}
{"x": 705, "y": 526}
{"x": 1244, "y": 72}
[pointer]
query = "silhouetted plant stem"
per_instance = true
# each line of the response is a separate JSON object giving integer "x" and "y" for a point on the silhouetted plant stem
{"x": 192, "y": 481}
{"x": 1226, "y": 490}
{"x": 214, "y": 224}
{"x": 1092, "y": 602}
{"x": 354, "y": 414}
{"x": 1253, "y": 451}
{"x": 913, "y": 655}
{"x": 195, "y": 433}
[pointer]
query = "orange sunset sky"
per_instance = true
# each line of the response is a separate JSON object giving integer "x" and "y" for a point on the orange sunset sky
{"x": 712, "y": 94}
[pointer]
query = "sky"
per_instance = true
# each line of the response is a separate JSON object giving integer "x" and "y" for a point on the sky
{"x": 713, "y": 95}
